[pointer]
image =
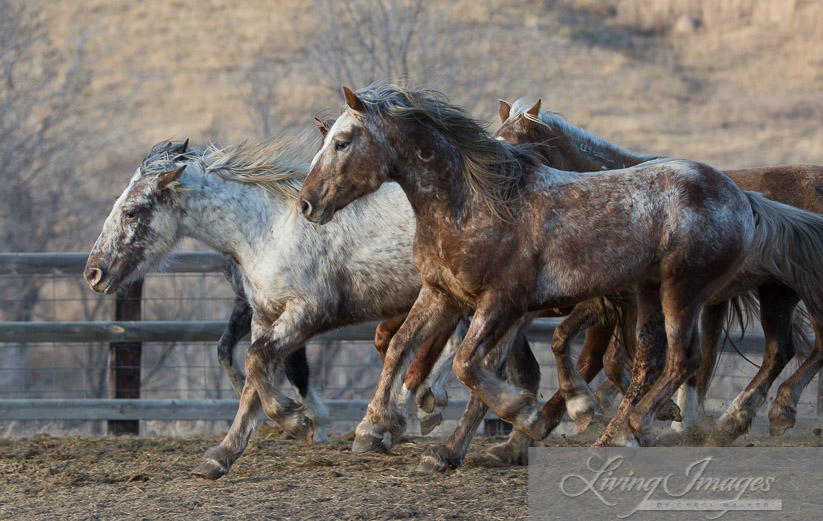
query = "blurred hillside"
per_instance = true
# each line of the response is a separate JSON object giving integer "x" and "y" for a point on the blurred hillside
{"x": 734, "y": 84}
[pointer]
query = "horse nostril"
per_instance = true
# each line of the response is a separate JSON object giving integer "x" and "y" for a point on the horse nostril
{"x": 305, "y": 207}
{"x": 93, "y": 275}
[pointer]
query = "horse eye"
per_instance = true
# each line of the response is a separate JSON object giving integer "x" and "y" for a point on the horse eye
{"x": 340, "y": 145}
{"x": 131, "y": 214}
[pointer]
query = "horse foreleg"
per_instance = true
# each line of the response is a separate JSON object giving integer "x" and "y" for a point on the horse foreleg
{"x": 493, "y": 318}
{"x": 217, "y": 460}
{"x": 384, "y": 332}
{"x": 298, "y": 373}
{"x": 523, "y": 371}
{"x": 589, "y": 364}
{"x": 783, "y": 411}
{"x": 578, "y": 397}
{"x": 431, "y": 397}
{"x": 433, "y": 313}
{"x": 259, "y": 392}
{"x": 450, "y": 454}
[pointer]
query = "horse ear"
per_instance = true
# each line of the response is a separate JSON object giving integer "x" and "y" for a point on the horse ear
{"x": 185, "y": 145}
{"x": 321, "y": 126}
{"x": 535, "y": 109}
{"x": 353, "y": 101}
{"x": 534, "y": 112}
{"x": 167, "y": 178}
{"x": 505, "y": 110}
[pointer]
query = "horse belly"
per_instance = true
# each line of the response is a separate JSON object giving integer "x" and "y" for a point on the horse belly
{"x": 567, "y": 277}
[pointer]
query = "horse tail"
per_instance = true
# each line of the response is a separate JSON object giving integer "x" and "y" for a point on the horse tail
{"x": 788, "y": 245}
{"x": 742, "y": 310}
{"x": 801, "y": 327}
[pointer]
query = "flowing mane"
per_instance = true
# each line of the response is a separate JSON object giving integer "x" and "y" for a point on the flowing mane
{"x": 277, "y": 165}
{"x": 588, "y": 144}
{"x": 492, "y": 169}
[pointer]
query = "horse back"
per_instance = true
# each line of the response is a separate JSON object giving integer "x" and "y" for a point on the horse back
{"x": 798, "y": 186}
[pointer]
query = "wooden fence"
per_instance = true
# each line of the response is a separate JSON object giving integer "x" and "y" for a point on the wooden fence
{"x": 124, "y": 410}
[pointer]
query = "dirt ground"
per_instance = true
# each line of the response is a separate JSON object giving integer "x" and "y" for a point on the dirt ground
{"x": 82, "y": 478}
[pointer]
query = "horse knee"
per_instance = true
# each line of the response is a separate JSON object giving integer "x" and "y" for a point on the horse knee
{"x": 465, "y": 371}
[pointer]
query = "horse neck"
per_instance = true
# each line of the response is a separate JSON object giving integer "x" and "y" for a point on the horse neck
{"x": 575, "y": 150}
{"x": 229, "y": 216}
{"x": 429, "y": 173}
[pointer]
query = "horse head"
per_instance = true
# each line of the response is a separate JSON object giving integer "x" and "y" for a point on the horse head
{"x": 141, "y": 227}
{"x": 349, "y": 164}
{"x": 520, "y": 127}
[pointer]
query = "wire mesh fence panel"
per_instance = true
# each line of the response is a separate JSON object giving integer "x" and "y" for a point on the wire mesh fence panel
{"x": 189, "y": 370}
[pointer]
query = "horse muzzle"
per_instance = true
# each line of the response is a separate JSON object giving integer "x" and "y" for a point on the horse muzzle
{"x": 312, "y": 215}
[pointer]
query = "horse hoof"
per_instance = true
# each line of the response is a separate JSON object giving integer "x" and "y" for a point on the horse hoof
{"x": 424, "y": 399}
{"x": 505, "y": 454}
{"x": 781, "y": 418}
{"x": 429, "y": 421}
{"x": 368, "y": 443}
{"x": 209, "y": 469}
{"x": 320, "y": 436}
{"x": 626, "y": 438}
{"x": 435, "y": 460}
{"x": 670, "y": 412}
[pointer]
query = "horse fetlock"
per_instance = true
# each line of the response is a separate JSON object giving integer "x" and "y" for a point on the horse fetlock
{"x": 532, "y": 423}
{"x": 298, "y": 425}
{"x": 639, "y": 425}
{"x": 581, "y": 409}
{"x": 625, "y": 438}
{"x": 782, "y": 416}
{"x": 436, "y": 459}
{"x": 514, "y": 451}
{"x": 670, "y": 412}
{"x": 319, "y": 435}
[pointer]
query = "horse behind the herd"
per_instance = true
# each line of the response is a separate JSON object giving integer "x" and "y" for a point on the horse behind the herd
{"x": 562, "y": 145}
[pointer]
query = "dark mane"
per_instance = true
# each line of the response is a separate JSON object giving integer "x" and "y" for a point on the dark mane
{"x": 492, "y": 169}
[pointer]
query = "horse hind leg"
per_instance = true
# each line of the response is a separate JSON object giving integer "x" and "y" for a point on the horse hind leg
{"x": 783, "y": 411}
{"x": 647, "y": 363}
{"x": 777, "y": 304}
{"x": 688, "y": 398}
{"x": 297, "y": 372}
{"x": 238, "y": 326}
{"x": 523, "y": 371}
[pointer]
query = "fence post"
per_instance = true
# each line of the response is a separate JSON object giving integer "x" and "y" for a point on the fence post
{"x": 124, "y": 358}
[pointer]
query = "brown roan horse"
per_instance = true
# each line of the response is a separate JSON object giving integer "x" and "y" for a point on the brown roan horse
{"x": 562, "y": 145}
{"x": 502, "y": 234}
